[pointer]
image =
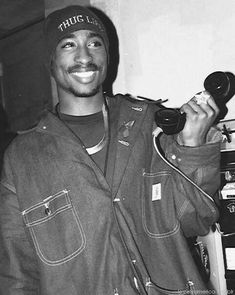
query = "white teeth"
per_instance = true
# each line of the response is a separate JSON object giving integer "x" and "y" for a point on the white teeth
{"x": 84, "y": 74}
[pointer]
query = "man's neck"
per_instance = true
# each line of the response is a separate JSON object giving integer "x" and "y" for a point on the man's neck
{"x": 81, "y": 106}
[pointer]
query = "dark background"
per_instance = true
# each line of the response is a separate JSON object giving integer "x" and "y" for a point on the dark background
{"x": 25, "y": 84}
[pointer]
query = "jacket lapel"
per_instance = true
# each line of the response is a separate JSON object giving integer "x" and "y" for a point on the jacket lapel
{"x": 131, "y": 117}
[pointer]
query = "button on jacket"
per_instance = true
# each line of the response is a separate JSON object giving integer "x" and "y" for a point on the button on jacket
{"x": 67, "y": 229}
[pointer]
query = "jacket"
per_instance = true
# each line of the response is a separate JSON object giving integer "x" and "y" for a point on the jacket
{"x": 67, "y": 229}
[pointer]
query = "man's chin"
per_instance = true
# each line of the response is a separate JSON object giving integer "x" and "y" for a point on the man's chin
{"x": 88, "y": 93}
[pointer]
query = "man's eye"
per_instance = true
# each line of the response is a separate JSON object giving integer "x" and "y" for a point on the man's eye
{"x": 95, "y": 44}
{"x": 68, "y": 45}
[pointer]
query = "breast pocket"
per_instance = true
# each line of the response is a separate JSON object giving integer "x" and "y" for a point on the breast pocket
{"x": 55, "y": 229}
{"x": 158, "y": 208}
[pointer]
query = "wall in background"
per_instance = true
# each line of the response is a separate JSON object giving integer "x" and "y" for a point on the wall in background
{"x": 51, "y": 5}
{"x": 25, "y": 86}
{"x": 26, "y": 89}
{"x": 168, "y": 47}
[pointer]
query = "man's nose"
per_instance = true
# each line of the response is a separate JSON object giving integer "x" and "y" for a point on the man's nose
{"x": 83, "y": 55}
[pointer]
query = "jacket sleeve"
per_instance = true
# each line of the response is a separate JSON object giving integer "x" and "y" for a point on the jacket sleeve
{"x": 18, "y": 271}
{"x": 195, "y": 210}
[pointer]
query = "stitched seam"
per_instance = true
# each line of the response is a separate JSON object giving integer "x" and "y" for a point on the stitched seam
{"x": 67, "y": 258}
{"x": 162, "y": 235}
{"x": 31, "y": 225}
{"x": 44, "y": 219}
{"x": 46, "y": 200}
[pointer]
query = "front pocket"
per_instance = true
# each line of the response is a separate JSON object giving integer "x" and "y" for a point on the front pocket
{"x": 55, "y": 229}
{"x": 158, "y": 208}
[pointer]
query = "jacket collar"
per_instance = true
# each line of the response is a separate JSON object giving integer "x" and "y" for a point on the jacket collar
{"x": 50, "y": 123}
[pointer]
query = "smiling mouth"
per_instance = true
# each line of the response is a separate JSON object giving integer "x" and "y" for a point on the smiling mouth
{"x": 84, "y": 77}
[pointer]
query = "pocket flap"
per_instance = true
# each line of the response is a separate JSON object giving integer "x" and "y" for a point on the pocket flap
{"x": 47, "y": 208}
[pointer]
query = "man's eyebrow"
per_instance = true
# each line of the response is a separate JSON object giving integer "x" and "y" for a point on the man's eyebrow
{"x": 94, "y": 34}
{"x": 68, "y": 36}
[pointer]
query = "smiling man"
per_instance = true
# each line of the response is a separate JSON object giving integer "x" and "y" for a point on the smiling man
{"x": 78, "y": 47}
{"x": 87, "y": 204}
{"x": 79, "y": 68}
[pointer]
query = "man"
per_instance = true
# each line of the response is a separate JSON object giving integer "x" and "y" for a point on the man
{"x": 87, "y": 204}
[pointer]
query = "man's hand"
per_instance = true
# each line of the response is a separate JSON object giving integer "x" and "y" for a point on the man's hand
{"x": 201, "y": 112}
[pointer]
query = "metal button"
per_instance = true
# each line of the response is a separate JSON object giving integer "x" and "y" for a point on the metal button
{"x": 47, "y": 209}
{"x": 173, "y": 157}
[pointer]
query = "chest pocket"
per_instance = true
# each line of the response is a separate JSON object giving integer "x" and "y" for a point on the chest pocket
{"x": 158, "y": 208}
{"x": 55, "y": 229}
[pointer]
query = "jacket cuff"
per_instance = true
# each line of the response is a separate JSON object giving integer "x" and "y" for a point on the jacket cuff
{"x": 207, "y": 154}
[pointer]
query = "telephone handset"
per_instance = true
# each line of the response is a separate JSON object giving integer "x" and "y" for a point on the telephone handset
{"x": 172, "y": 121}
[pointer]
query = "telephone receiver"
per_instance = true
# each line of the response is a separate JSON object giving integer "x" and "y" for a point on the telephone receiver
{"x": 172, "y": 121}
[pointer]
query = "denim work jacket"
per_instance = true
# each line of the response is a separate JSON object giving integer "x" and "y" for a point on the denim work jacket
{"x": 67, "y": 229}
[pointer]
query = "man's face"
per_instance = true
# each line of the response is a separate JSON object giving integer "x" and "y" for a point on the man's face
{"x": 79, "y": 64}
